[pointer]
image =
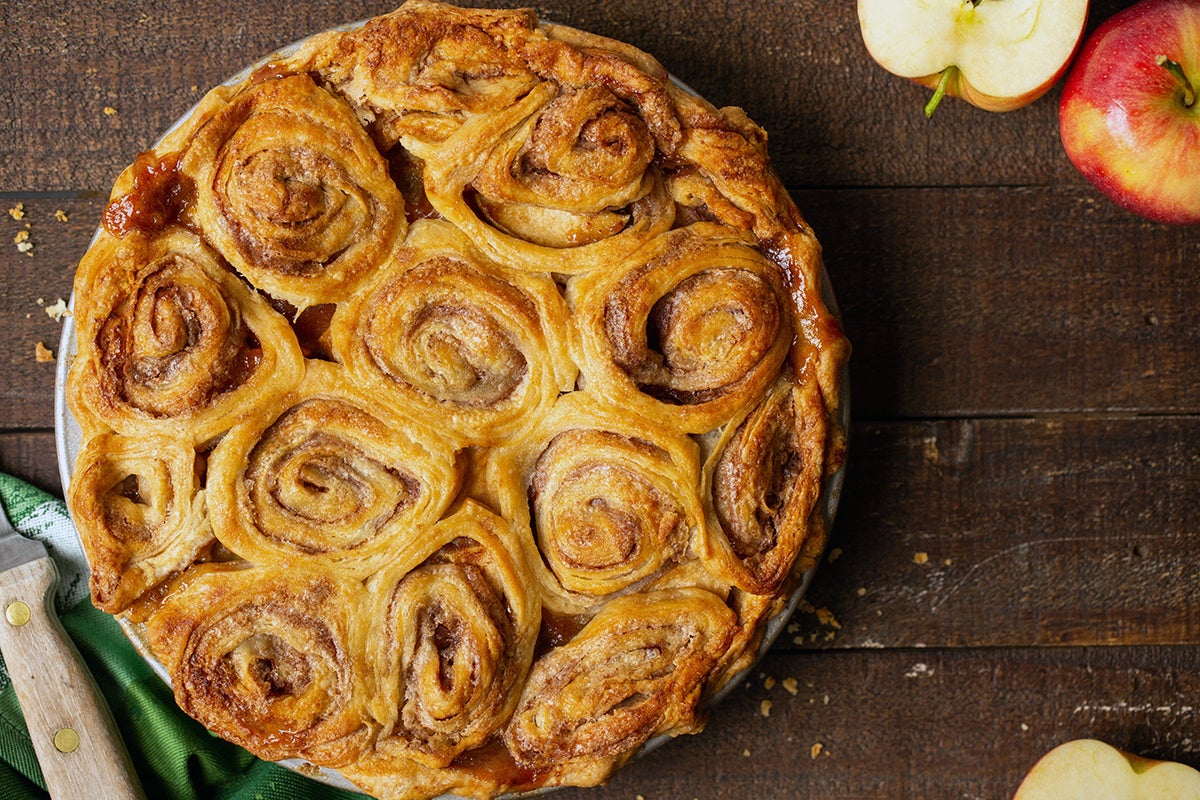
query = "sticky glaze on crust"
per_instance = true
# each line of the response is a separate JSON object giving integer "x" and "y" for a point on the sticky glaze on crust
{"x": 457, "y": 396}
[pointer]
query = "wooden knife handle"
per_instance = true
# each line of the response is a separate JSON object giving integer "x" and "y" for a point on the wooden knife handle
{"x": 76, "y": 741}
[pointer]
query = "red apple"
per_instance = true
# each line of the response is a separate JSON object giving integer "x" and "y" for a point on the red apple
{"x": 999, "y": 55}
{"x": 1129, "y": 116}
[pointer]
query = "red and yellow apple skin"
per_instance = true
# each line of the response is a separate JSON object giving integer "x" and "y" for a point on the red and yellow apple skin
{"x": 1123, "y": 117}
{"x": 999, "y": 55}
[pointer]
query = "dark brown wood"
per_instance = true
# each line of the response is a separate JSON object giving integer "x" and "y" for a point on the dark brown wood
{"x": 31, "y": 283}
{"x": 798, "y": 67}
{"x": 990, "y": 532}
{"x": 1072, "y": 288}
{"x": 900, "y": 724}
{"x": 983, "y": 302}
{"x": 30, "y": 455}
{"x": 1016, "y": 560}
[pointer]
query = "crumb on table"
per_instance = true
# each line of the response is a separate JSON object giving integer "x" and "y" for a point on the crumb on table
{"x": 58, "y": 310}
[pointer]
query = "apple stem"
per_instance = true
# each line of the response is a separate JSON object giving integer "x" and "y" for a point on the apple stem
{"x": 1173, "y": 67}
{"x": 943, "y": 83}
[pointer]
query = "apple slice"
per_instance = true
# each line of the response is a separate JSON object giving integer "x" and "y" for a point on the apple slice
{"x": 999, "y": 55}
{"x": 1086, "y": 769}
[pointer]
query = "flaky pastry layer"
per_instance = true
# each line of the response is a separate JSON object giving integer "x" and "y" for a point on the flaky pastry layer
{"x": 458, "y": 395}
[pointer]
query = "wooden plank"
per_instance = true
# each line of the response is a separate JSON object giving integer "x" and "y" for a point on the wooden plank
{"x": 903, "y": 724}
{"x": 979, "y": 302}
{"x": 1013, "y": 532}
{"x": 1027, "y": 532}
{"x": 1079, "y": 307}
{"x": 834, "y": 116}
{"x": 29, "y": 284}
{"x": 30, "y": 456}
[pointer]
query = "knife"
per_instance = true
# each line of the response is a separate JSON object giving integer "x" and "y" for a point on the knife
{"x": 76, "y": 741}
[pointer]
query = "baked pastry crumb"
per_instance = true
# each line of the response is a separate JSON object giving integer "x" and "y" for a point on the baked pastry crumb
{"x": 57, "y": 310}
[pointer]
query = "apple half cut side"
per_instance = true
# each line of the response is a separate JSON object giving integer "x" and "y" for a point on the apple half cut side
{"x": 1087, "y": 769}
{"x": 998, "y": 55}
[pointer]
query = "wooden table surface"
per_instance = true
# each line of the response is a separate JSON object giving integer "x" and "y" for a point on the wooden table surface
{"x": 1016, "y": 560}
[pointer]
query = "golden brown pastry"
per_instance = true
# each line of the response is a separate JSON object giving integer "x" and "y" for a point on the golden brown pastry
{"x": 327, "y": 478}
{"x": 691, "y": 328}
{"x": 635, "y": 670}
{"x": 139, "y": 512}
{"x": 291, "y": 191}
{"x": 171, "y": 341}
{"x": 611, "y": 499}
{"x": 460, "y": 401}
{"x": 274, "y": 663}
{"x": 446, "y": 332}
{"x": 456, "y": 635}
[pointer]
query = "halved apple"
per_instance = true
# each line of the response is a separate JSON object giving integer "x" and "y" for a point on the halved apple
{"x": 1087, "y": 769}
{"x": 999, "y": 55}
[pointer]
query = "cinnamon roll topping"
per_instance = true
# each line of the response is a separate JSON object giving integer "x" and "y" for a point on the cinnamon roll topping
{"x": 458, "y": 399}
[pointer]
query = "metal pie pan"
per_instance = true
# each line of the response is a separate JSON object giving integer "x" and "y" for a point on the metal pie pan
{"x": 69, "y": 441}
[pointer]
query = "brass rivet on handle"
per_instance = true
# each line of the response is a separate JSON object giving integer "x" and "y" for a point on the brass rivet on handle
{"x": 17, "y": 613}
{"x": 66, "y": 740}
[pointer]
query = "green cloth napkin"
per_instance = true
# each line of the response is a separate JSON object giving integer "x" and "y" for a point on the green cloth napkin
{"x": 175, "y": 757}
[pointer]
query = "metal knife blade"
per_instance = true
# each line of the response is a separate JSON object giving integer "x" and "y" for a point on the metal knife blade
{"x": 16, "y": 549}
{"x": 76, "y": 741}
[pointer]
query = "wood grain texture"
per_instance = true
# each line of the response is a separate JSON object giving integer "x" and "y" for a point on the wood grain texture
{"x": 1072, "y": 288}
{"x": 900, "y": 724}
{"x": 984, "y": 302}
{"x": 30, "y": 283}
{"x": 797, "y": 66}
{"x": 76, "y": 740}
{"x": 31, "y": 456}
{"x": 1025, "y": 388}
{"x": 990, "y": 532}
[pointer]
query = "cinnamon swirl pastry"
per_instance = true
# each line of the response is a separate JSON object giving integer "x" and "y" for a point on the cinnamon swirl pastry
{"x": 612, "y": 500}
{"x": 445, "y": 330}
{"x": 460, "y": 401}
{"x": 694, "y": 327}
{"x": 303, "y": 216}
{"x": 140, "y": 514}
{"x": 274, "y": 663}
{"x": 456, "y": 633}
{"x": 171, "y": 341}
{"x": 322, "y": 478}
{"x": 635, "y": 670}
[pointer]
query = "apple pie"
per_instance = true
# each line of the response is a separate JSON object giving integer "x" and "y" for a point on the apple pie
{"x": 460, "y": 397}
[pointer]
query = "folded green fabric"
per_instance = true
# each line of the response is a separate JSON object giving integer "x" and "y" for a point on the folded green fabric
{"x": 175, "y": 757}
